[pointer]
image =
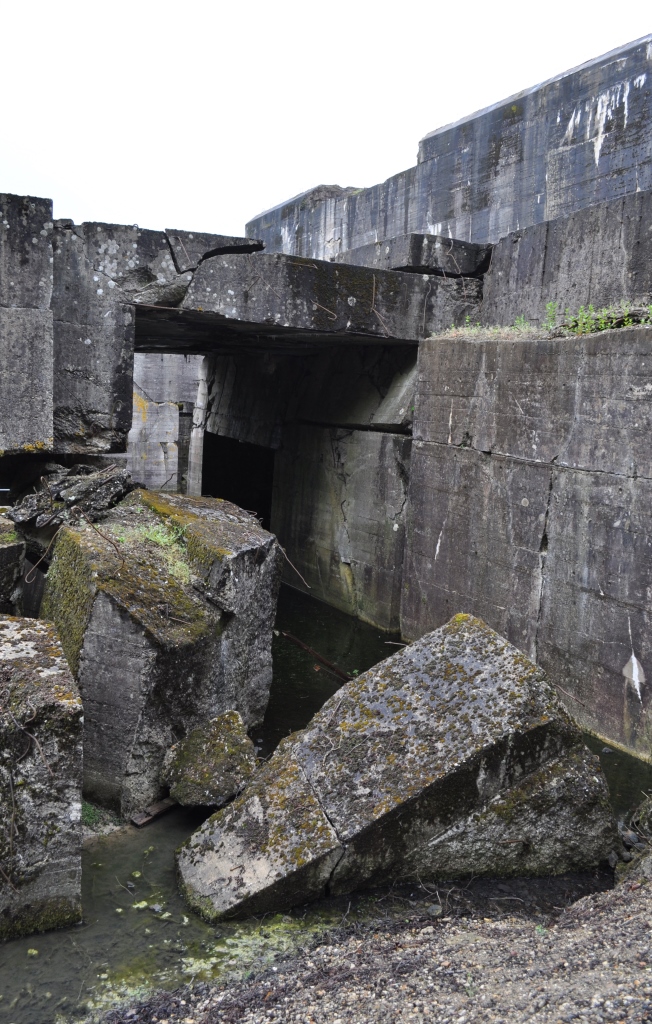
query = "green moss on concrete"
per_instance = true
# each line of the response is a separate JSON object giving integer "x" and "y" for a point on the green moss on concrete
{"x": 45, "y": 916}
{"x": 70, "y": 590}
{"x": 212, "y": 764}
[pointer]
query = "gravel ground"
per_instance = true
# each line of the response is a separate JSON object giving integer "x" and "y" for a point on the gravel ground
{"x": 591, "y": 963}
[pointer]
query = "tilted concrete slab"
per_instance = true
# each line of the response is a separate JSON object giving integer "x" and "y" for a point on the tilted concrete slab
{"x": 451, "y": 758}
{"x": 40, "y": 781}
{"x": 279, "y": 296}
{"x": 424, "y": 254}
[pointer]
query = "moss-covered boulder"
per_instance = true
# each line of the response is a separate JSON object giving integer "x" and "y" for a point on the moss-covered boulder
{"x": 40, "y": 781}
{"x": 212, "y": 764}
{"x": 165, "y": 612}
{"x": 453, "y": 757}
{"x": 12, "y": 556}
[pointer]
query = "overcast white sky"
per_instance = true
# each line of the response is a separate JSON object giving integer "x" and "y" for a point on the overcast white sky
{"x": 201, "y": 114}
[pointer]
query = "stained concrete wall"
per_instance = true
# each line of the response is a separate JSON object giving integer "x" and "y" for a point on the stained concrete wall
{"x": 581, "y": 138}
{"x": 165, "y": 394}
{"x": 599, "y": 256}
{"x": 25, "y": 324}
{"x": 340, "y": 422}
{"x": 529, "y": 506}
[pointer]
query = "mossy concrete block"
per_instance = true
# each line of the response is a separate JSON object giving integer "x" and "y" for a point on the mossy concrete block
{"x": 165, "y": 613}
{"x": 451, "y": 758}
{"x": 273, "y": 847}
{"x": 40, "y": 781}
{"x": 12, "y": 557}
{"x": 212, "y": 764}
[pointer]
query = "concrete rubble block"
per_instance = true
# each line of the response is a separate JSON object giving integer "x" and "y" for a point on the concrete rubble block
{"x": 475, "y": 538}
{"x": 334, "y": 300}
{"x": 25, "y": 251}
{"x": 12, "y": 557}
{"x": 40, "y": 781}
{"x": 152, "y": 458}
{"x": 70, "y": 495}
{"x": 595, "y": 619}
{"x": 166, "y": 612}
{"x": 422, "y": 254}
{"x": 212, "y": 764}
{"x": 451, "y": 758}
{"x": 344, "y": 528}
{"x": 189, "y": 248}
{"x": 26, "y": 380}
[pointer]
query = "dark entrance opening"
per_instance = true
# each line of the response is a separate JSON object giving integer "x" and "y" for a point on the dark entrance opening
{"x": 239, "y": 472}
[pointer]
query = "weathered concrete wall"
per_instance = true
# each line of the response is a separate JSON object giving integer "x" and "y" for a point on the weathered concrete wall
{"x": 581, "y": 138}
{"x": 25, "y": 324}
{"x": 165, "y": 393}
{"x": 340, "y": 421}
{"x": 338, "y": 507}
{"x": 599, "y": 256}
{"x": 252, "y": 396}
{"x": 529, "y": 507}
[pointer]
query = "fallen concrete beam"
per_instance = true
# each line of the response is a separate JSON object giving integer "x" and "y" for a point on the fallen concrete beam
{"x": 422, "y": 254}
{"x": 281, "y": 295}
{"x": 40, "y": 781}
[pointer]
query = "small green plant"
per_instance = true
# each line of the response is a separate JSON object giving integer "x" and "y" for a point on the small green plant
{"x": 521, "y": 324}
{"x": 90, "y": 815}
{"x": 166, "y": 536}
{"x": 550, "y": 321}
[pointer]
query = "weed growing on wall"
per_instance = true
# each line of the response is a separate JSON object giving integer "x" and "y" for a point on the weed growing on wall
{"x": 587, "y": 320}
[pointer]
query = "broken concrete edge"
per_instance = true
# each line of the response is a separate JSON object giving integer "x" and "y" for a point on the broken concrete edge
{"x": 190, "y": 248}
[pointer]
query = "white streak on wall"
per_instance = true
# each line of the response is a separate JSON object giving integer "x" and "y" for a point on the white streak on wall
{"x": 633, "y": 670}
{"x": 450, "y": 425}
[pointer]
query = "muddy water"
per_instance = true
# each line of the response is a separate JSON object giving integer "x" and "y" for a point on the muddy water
{"x": 137, "y": 932}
